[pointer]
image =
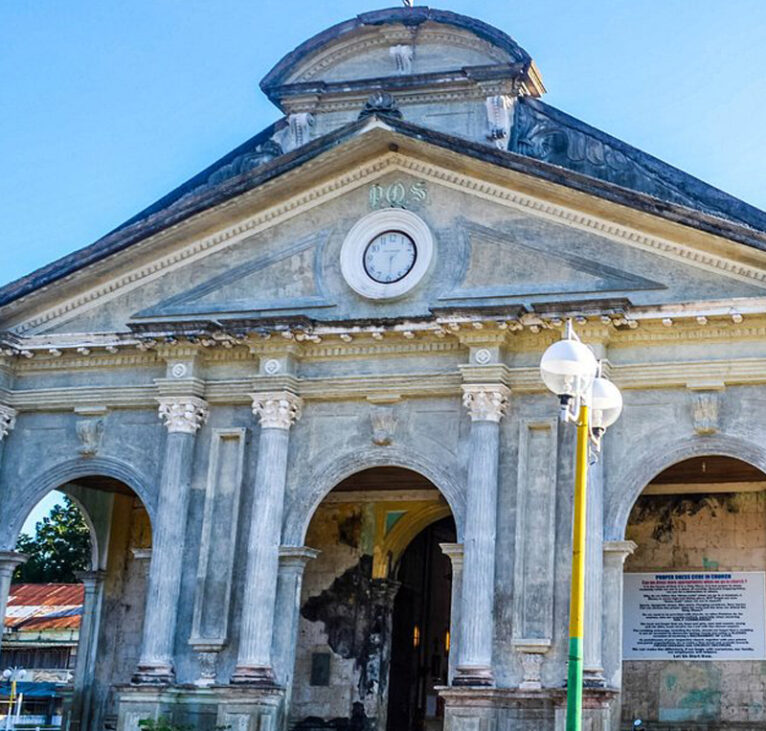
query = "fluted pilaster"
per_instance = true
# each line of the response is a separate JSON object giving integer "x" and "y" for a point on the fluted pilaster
{"x": 454, "y": 551}
{"x": 93, "y": 582}
{"x": 182, "y": 416}
{"x": 278, "y": 411}
{"x": 486, "y": 404}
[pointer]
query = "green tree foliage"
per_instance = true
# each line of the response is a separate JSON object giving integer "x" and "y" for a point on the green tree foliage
{"x": 60, "y": 546}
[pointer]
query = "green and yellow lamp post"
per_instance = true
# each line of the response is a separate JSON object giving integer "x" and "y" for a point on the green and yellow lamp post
{"x": 570, "y": 370}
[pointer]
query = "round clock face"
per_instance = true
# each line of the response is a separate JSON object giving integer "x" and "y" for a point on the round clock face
{"x": 390, "y": 257}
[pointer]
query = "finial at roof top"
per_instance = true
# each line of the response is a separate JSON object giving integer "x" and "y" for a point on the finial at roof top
{"x": 408, "y": 3}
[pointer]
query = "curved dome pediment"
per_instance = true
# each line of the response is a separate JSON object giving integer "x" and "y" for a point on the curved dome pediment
{"x": 403, "y": 42}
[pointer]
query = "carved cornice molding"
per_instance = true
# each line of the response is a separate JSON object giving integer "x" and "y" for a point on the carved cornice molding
{"x": 360, "y": 175}
{"x": 390, "y": 36}
{"x": 578, "y": 219}
{"x": 277, "y": 409}
{"x": 184, "y": 415}
{"x": 7, "y": 420}
{"x": 486, "y": 401}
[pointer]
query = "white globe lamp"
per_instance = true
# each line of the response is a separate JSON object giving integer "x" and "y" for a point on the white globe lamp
{"x": 568, "y": 368}
{"x": 605, "y": 403}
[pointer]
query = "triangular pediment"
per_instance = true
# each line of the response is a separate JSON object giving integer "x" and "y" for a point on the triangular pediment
{"x": 285, "y": 280}
{"x": 509, "y": 241}
{"x": 501, "y": 266}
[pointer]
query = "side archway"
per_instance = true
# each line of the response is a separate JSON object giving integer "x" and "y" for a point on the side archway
{"x": 54, "y": 477}
{"x": 302, "y": 507}
{"x": 634, "y": 478}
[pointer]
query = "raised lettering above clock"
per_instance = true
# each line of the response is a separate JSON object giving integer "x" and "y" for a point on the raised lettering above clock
{"x": 386, "y": 253}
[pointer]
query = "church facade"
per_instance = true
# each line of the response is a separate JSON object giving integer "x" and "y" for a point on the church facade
{"x": 298, "y": 399}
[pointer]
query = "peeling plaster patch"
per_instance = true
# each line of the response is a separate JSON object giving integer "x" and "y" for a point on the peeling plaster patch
{"x": 356, "y": 618}
{"x": 668, "y": 511}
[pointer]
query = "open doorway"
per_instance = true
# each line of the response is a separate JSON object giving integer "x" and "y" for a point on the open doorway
{"x": 694, "y": 623}
{"x": 75, "y": 606}
{"x": 420, "y": 638}
{"x": 375, "y": 606}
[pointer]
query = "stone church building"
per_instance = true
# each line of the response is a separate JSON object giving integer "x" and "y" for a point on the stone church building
{"x": 298, "y": 400}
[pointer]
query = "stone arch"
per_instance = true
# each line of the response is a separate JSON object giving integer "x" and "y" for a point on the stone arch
{"x": 402, "y": 534}
{"x": 302, "y": 507}
{"x": 54, "y": 477}
{"x": 636, "y": 477}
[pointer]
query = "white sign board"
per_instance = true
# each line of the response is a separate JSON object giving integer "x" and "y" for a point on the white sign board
{"x": 694, "y": 616}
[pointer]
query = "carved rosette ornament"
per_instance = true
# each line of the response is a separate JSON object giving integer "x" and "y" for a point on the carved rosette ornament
{"x": 7, "y": 420}
{"x": 277, "y": 409}
{"x": 185, "y": 415}
{"x": 486, "y": 402}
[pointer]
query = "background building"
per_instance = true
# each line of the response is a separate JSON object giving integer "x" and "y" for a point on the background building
{"x": 40, "y": 635}
{"x": 354, "y": 509}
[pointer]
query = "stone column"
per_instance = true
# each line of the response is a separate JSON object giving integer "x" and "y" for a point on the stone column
{"x": 93, "y": 582}
{"x": 486, "y": 404}
{"x": 292, "y": 562}
{"x": 593, "y": 671}
{"x": 454, "y": 551}
{"x": 182, "y": 417}
{"x": 9, "y": 560}
{"x": 278, "y": 410}
{"x": 615, "y": 553}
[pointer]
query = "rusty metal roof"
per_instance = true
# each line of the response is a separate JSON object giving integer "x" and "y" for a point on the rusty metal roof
{"x": 44, "y": 606}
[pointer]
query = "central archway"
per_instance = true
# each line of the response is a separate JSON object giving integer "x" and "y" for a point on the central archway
{"x": 366, "y": 595}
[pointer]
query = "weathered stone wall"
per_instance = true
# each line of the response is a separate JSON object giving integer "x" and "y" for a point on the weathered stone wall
{"x": 716, "y": 532}
{"x": 122, "y": 605}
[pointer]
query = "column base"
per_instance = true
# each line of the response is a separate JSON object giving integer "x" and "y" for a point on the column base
{"x": 476, "y": 676}
{"x": 255, "y": 676}
{"x": 594, "y": 678}
{"x": 159, "y": 674}
{"x": 221, "y": 706}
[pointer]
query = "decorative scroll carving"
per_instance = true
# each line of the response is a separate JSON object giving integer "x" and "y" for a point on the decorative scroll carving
{"x": 277, "y": 409}
{"x": 245, "y": 162}
{"x": 705, "y": 411}
{"x": 546, "y": 137}
{"x": 383, "y": 423}
{"x": 486, "y": 402}
{"x": 383, "y": 103}
{"x": 300, "y": 128}
{"x": 185, "y": 415}
{"x": 531, "y": 668}
{"x": 89, "y": 432}
{"x": 499, "y": 118}
{"x": 7, "y": 420}
{"x": 402, "y": 56}
{"x": 208, "y": 662}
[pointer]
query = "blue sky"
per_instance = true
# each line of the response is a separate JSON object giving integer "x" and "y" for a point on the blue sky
{"x": 106, "y": 106}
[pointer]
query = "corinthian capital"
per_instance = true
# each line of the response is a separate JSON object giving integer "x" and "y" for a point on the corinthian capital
{"x": 277, "y": 409}
{"x": 486, "y": 402}
{"x": 183, "y": 414}
{"x": 7, "y": 420}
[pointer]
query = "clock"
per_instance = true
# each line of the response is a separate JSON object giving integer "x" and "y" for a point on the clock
{"x": 386, "y": 254}
{"x": 390, "y": 256}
